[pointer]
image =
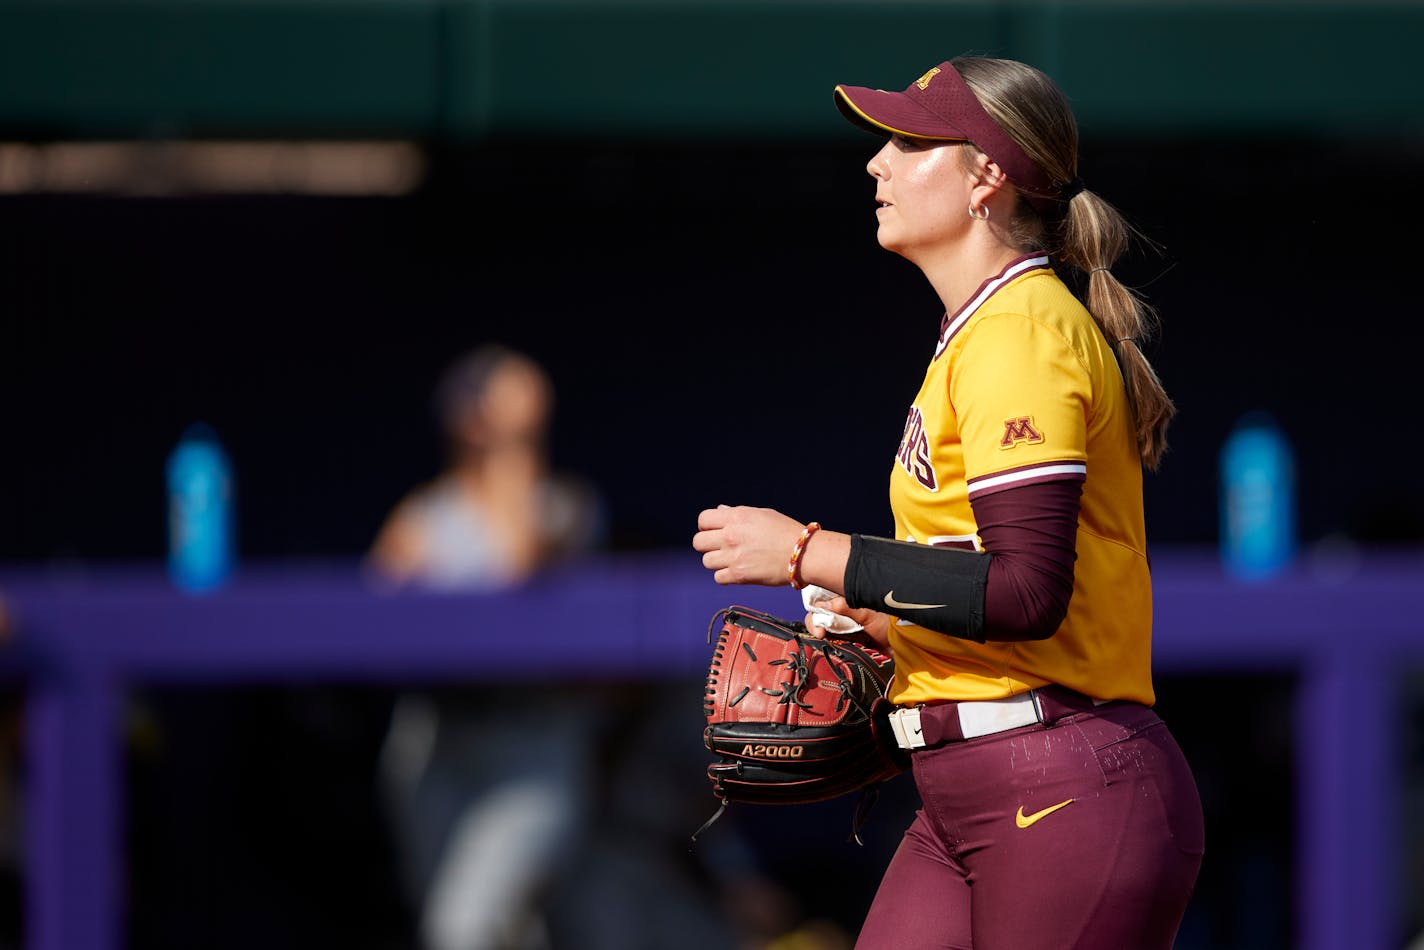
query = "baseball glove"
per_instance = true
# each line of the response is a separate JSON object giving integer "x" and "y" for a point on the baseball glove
{"x": 793, "y": 719}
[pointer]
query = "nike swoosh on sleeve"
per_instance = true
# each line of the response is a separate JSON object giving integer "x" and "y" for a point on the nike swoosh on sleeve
{"x": 894, "y": 604}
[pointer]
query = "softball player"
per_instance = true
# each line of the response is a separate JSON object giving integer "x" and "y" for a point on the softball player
{"x": 1058, "y": 811}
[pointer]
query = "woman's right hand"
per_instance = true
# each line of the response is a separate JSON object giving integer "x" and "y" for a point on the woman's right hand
{"x": 744, "y": 545}
{"x": 876, "y": 625}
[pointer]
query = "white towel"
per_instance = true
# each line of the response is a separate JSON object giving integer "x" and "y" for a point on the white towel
{"x": 811, "y": 595}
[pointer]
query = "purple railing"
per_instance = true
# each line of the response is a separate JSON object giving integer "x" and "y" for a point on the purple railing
{"x": 83, "y": 638}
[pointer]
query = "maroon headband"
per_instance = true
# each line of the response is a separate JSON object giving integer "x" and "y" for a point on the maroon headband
{"x": 939, "y": 105}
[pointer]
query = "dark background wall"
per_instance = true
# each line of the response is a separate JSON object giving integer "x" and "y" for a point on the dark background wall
{"x": 692, "y": 301}
{"x": 659, "y": 202}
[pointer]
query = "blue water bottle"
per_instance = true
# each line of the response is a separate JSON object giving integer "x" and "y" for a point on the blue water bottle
{"x": 200, "y": 501}
{"x": 1258, "y": 531}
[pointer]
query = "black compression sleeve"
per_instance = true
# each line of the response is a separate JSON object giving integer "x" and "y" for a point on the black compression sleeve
{"x": 941, "y": 589}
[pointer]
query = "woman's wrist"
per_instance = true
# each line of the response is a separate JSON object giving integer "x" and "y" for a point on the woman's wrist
{"x": 798, "y": 551}
{"x": 823, "y": 560}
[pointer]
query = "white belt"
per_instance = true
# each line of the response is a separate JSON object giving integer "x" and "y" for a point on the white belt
{"x": 987, "y": 717}
{"x": 975, "y": 719}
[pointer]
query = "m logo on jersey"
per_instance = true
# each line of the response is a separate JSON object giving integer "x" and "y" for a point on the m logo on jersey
{"x": 1020, "y": 430}
{"x": 914, "y": 454}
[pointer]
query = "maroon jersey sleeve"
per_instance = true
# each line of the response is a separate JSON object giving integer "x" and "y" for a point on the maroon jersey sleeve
{"x": 1029, "y": 533}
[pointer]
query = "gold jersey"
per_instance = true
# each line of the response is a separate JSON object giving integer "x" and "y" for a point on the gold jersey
{"x": 1024, "y": 388}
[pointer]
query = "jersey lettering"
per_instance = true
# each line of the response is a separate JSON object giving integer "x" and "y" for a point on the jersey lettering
{"x": 1020, "y": 430}
{"x": 914, "y": 454}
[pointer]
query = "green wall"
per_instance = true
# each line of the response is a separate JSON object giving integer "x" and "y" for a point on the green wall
{"x": 669, "y": 69}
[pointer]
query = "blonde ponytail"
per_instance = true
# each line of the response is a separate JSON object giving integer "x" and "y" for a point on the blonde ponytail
{"x": 1090, "y": 234}
{"x": 1092, "y": 238}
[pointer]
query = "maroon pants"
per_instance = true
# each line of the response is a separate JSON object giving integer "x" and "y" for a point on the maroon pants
{"x": 1086, "y": 833}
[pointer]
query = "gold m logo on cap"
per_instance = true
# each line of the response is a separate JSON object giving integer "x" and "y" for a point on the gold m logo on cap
{"x": 924, "y": 80}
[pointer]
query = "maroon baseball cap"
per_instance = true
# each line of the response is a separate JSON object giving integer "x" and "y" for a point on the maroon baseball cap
{"x": 939, "y": 106}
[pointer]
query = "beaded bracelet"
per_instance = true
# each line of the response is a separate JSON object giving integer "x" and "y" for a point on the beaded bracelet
{"x": 798, "y": 549}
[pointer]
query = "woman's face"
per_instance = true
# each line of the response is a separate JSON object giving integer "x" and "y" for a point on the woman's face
{"x": 923, "y": 192}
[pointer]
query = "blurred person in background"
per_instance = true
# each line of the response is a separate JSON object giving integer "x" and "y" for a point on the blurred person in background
{"x": 495, "y": 514}
{"x": 581, "y": 838}
{"x": 483, "y": 816}
{"x": 638, "y": 882}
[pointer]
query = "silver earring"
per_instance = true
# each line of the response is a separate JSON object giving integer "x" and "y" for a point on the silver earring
{"x": 979, "y": 217}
